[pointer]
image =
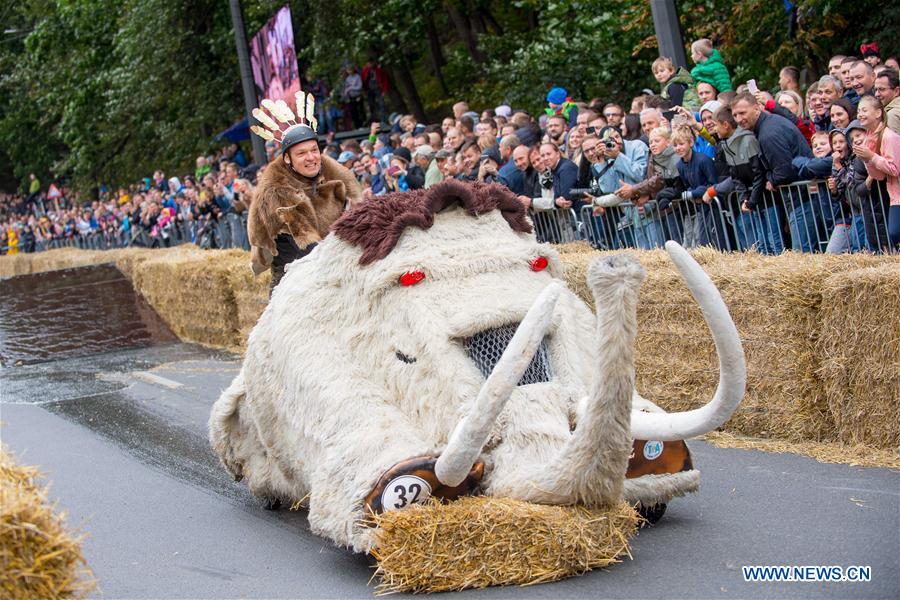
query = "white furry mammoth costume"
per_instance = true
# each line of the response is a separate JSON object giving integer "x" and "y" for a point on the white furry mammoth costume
{"x": 385, "y": 344}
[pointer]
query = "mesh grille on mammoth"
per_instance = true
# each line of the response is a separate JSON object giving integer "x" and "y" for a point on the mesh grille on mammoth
{"x": 486, "y": 347}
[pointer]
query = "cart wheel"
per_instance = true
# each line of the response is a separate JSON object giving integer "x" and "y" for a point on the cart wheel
{"x": 652, "y": 513}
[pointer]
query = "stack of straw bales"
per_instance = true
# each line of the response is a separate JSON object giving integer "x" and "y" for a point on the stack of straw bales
{"x": 38, "y": 557}
{"x": 820, "y": 332}
{"x": 860, "y": 343}
{"x": 63, "y": 258}
{"x": 475, "y": 542}
{"x": 777, "y": 304}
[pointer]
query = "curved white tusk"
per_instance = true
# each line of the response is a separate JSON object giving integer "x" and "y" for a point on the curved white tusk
{"x": 471, "y": 433}
{"x": 732, "y": 370}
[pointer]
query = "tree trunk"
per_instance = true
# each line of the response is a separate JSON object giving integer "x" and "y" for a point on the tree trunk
{"x": 437, "y": 53}
{"x": 461, "y": 22}
{"x": 396, "y": 97}
{"x": 405, "y": 81}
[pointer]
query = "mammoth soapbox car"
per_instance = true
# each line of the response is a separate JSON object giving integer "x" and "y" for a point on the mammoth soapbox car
{"x": 428, "y": 348}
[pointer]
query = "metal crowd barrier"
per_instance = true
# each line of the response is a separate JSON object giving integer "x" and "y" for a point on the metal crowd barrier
{"x": 229, "y": 232}
{"x": 556, "y": 226}
{"x": 801, "y": 216}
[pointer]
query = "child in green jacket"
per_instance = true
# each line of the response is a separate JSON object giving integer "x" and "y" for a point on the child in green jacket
{"x": 710, "y": 67}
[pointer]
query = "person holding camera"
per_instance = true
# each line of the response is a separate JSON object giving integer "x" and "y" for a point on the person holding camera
{"x": 616, "y": 161}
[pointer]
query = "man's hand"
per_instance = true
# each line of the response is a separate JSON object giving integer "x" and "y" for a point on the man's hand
{"x": 374, "y": 128}
{"x": 744, "y": 207}
{"x": 626, "y": 190}
{"x": 563, "y": 203}
{"x": 525, "y": 200}
{"x": 769, "y": 186}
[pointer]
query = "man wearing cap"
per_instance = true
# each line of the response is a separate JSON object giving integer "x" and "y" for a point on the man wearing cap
{"x": 559, "y": 103}
{"x": 299, "y": 195}
{"x": 347, "y": 158}
{"x": 424, "y": 160}
{"x": 435, "y": 172}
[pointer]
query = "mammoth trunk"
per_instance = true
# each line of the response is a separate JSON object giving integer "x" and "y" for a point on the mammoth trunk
{"x": 591, "y": 468}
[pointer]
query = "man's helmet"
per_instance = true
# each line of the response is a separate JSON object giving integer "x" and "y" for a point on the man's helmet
{"x": 296, "y": 135}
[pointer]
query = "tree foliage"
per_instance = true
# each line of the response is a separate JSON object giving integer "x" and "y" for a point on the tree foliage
{"x": 96, "y": 90}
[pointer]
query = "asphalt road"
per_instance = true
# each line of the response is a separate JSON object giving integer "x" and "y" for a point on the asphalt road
{"x": 122, "y": 437}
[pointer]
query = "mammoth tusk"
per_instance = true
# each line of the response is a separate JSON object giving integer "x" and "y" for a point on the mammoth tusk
{"x": 732, "y": 370}
{"x": 471, "y": 433}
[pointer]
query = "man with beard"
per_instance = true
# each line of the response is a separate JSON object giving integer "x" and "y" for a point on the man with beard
{"x": 556, "y": 131}
{"x": 299, "y": 195}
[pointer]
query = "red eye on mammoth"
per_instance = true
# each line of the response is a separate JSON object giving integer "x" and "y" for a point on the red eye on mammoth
{"x": 539, "y": 264}
{"x": 412, "y": 278}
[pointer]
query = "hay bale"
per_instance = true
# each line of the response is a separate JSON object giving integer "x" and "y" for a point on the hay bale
{"x": 860, "y": 346}
{"x": 190, "y": 291}
{"x": 775, "y": 303}
{"x": 251, "y": 293}
{"x": 38, "y": 556}
{"x": 476, "y": 542}
{"x": 62, "y": 258}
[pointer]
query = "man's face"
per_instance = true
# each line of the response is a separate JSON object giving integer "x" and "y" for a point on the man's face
{"x": 589, "y": 148}
{"x": 834, "y": 67}
{"x": 582, "y": 121}
{"x": 556, "y": 128}
{"x": 884, "y": 92}
{"x": 746, "y": 114}
{"x": 549, "y": 156}
{"x": 520, "y": 158}
{"x": 845, "y": 75}
{"x": 784, "y": 81}
{"x": 614, "y": 115}
{"x": 471, "y": 157}
{"x": 706, "y": 92}
{"x": 828, "y": 94}
{"x": 706, "y": 118}
{"x": 863, "y": 79}
{"x": 447, "y": 123}
{"x": 305, "y": 158}
{"x": 649, "y": 122}
{"x": 453, "y": 139}
{"x": 596, "y": 125}
{"x": 459, "y": 109}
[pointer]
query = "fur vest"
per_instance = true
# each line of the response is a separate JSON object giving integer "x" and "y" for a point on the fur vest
{"x": 284, "y": 202}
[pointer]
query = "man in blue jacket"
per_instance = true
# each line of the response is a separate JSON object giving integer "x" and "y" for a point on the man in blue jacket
{"x": 780, "y": 142}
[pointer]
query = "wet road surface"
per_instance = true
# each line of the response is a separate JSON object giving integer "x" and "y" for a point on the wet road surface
{"x": 122, "y": 437}
{"x": 74, "y": 312}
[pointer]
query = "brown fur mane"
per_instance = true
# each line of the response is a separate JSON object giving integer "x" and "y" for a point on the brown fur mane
{"x": 377, "y": 224}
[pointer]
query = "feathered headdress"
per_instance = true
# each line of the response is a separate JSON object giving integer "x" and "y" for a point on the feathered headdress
{"x": 284, "y": 119}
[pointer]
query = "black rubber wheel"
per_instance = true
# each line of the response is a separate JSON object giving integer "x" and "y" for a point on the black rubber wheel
{"x": 652, "y": 513}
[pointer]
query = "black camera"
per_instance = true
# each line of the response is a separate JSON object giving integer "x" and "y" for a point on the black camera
{"x": 577, "y": 194}
{"x": 609, "y": 144}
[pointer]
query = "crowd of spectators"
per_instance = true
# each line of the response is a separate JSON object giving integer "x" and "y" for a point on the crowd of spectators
{"x": 207, "y": 207}
{"x": 703, "y": 160}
